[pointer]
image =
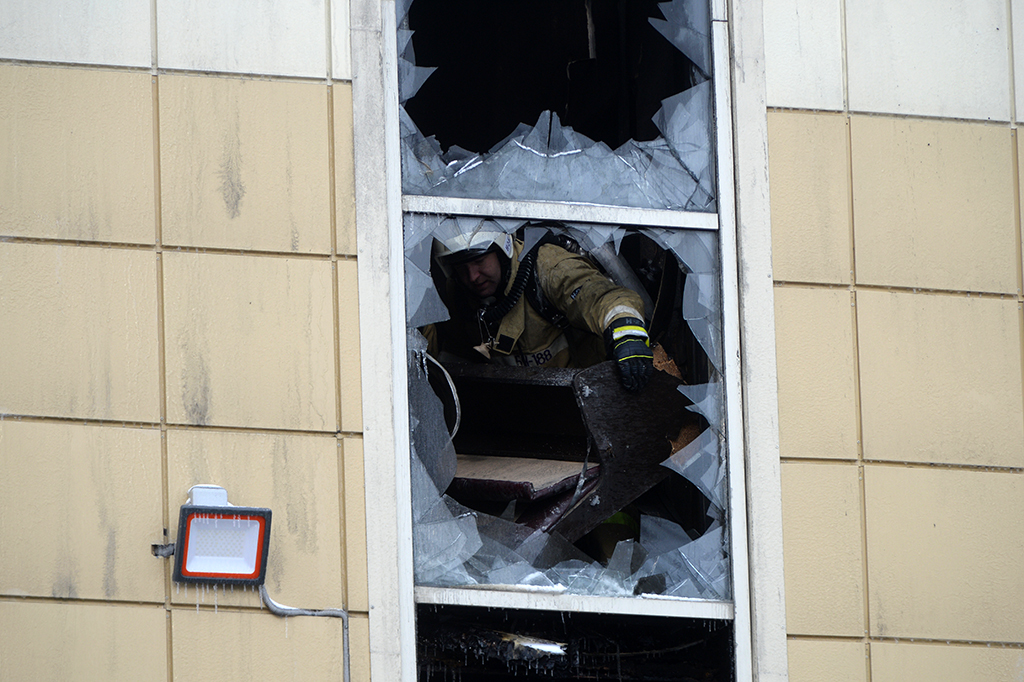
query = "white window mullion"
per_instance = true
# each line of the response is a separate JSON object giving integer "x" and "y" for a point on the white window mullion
{"x": 561, "y": 211}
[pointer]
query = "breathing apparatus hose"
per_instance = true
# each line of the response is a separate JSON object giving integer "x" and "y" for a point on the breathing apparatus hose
{"x": 500, "y": 309}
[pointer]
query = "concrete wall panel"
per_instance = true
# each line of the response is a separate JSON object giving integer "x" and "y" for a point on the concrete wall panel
{"x": 275, "y": 37}
{"x": 809, "y": 164}
{"x": 244, "y": 164}
{"x": 921, "y": 58}
{"x": 816, "y": 376}
{"x": 76, "y": 154}
{"x": 249, "y": 341}
{"x": 941, "y": 564}
{"x": 79, "y": 335}
{"x": 114, "y": 32}
{"x": 82, "y": 641}
{"x": 803, "y": 54}
{"x": 823, "y": 549}
{"x": 933, "y": 204}
{"x": 834, "y": 661}
{"x": 913, "y": 662}
{"x": 255, "y": 645}
{"x": 82, "y": 505}
{"x": 940, "y": 379}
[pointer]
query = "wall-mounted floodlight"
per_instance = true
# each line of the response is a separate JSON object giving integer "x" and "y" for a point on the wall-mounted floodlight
{"x": 219, "y": 542}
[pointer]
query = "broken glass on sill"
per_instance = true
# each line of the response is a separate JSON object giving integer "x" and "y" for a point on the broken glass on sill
{"x": 615, "y": 108}
{"x": 557, "y": 479}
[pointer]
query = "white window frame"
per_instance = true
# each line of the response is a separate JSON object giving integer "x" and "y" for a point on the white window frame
{"x": 757, "y": 608}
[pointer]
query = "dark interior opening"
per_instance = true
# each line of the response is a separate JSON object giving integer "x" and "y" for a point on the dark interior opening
{"x": 598, "y": 64}
{"x": 477, "y": 645}
{"x": 516, "y": 412}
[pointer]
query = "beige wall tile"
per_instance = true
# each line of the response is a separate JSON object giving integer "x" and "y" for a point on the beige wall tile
{"x": 940, "y": 379}
{"x": 82, "y": 505}
{"x": 359, "y": 647}
{"x": 79, "y": 332}
{"x": 933, "y": 204}
{"x": 249, "y": 341}
{"x": 355, "y": 525}
{"x": 244, "y": 164}
{"x": 77, "y": 641}
{"x": 814, "y": 351}
{"x": 822, "y": 549}
{"x": 945, "y": 550}
{"x": 76, "y": 154}
{"x": 351, "y": 377}
{"x": 254, "y": 645}
{"x": 344, "y": 168}
{"x": 903, "y": 662}
{"x": 810, "y": 197}
{"x": 1020, "y": 94}
{"x": 826, "y": 661}
{"x": 297, "y": 478}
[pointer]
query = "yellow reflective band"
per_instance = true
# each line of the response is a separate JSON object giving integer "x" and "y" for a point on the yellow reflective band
{"x": 633, "y": 330}
{"x": 632, "y": 339}
{"x": 630, "y": 357}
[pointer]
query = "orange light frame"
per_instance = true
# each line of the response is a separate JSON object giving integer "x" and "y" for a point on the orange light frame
{"x": 224, "y": 545}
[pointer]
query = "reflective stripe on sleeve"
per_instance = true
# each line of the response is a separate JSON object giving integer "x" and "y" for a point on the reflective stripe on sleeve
{"x": 629, "y": 330}
{"x": 620, "y": 311}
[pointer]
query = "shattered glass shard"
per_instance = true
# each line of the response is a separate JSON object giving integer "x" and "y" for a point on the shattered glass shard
{"x": 686, "y": 26}
{"x": 549, "y": 161}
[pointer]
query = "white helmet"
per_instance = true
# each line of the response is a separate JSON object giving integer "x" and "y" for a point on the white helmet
{"x": 458, "y": 240}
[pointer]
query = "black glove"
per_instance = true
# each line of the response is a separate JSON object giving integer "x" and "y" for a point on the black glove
{"x": 626, "y": 342}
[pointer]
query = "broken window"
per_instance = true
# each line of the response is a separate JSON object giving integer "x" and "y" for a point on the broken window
{"x": 595, "y": 101}
{"x": 556, "y": 480}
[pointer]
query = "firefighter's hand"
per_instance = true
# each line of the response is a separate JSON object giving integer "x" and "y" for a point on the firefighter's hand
{"x": 627, "y": 344}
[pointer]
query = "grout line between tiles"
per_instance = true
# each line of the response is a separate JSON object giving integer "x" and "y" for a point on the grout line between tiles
{"x": 855, "y": 329}
{"x": 169, "y": 426}
{"x": 1015, "y": 163}
{"x": 881, "y": 463}
{"x": 991, "y": 295}
{"x": 333, "y": 219}
{"x": 1010, "y": 57}
{"x": 176, "y": 248}
{"x": 992, "y": 123}
{"x": 1014, "y": 152}
{"x": 329, "y": 40}
{"x": 343, "y": 520}
{"x": 844, "y": 58}
{"x": 862, "y": 489}
{"x": 95, "y": 601}
{"x": 161, "y": 349}
{"x": 925, "y": 641}
{"x": 154, "y": 54}
{"x": 336, "y": 333}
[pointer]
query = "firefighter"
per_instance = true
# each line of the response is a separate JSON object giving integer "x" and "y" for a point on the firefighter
{"x": 549, "y": 307}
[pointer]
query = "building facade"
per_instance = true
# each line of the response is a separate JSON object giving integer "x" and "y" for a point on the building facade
{"x": 201, "y": 281}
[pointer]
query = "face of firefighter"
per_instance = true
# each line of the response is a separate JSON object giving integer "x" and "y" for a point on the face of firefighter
{"x": 482, "y": 276}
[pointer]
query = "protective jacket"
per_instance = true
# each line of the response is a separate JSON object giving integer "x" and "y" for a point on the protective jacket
{"x": 566, "y": 282}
